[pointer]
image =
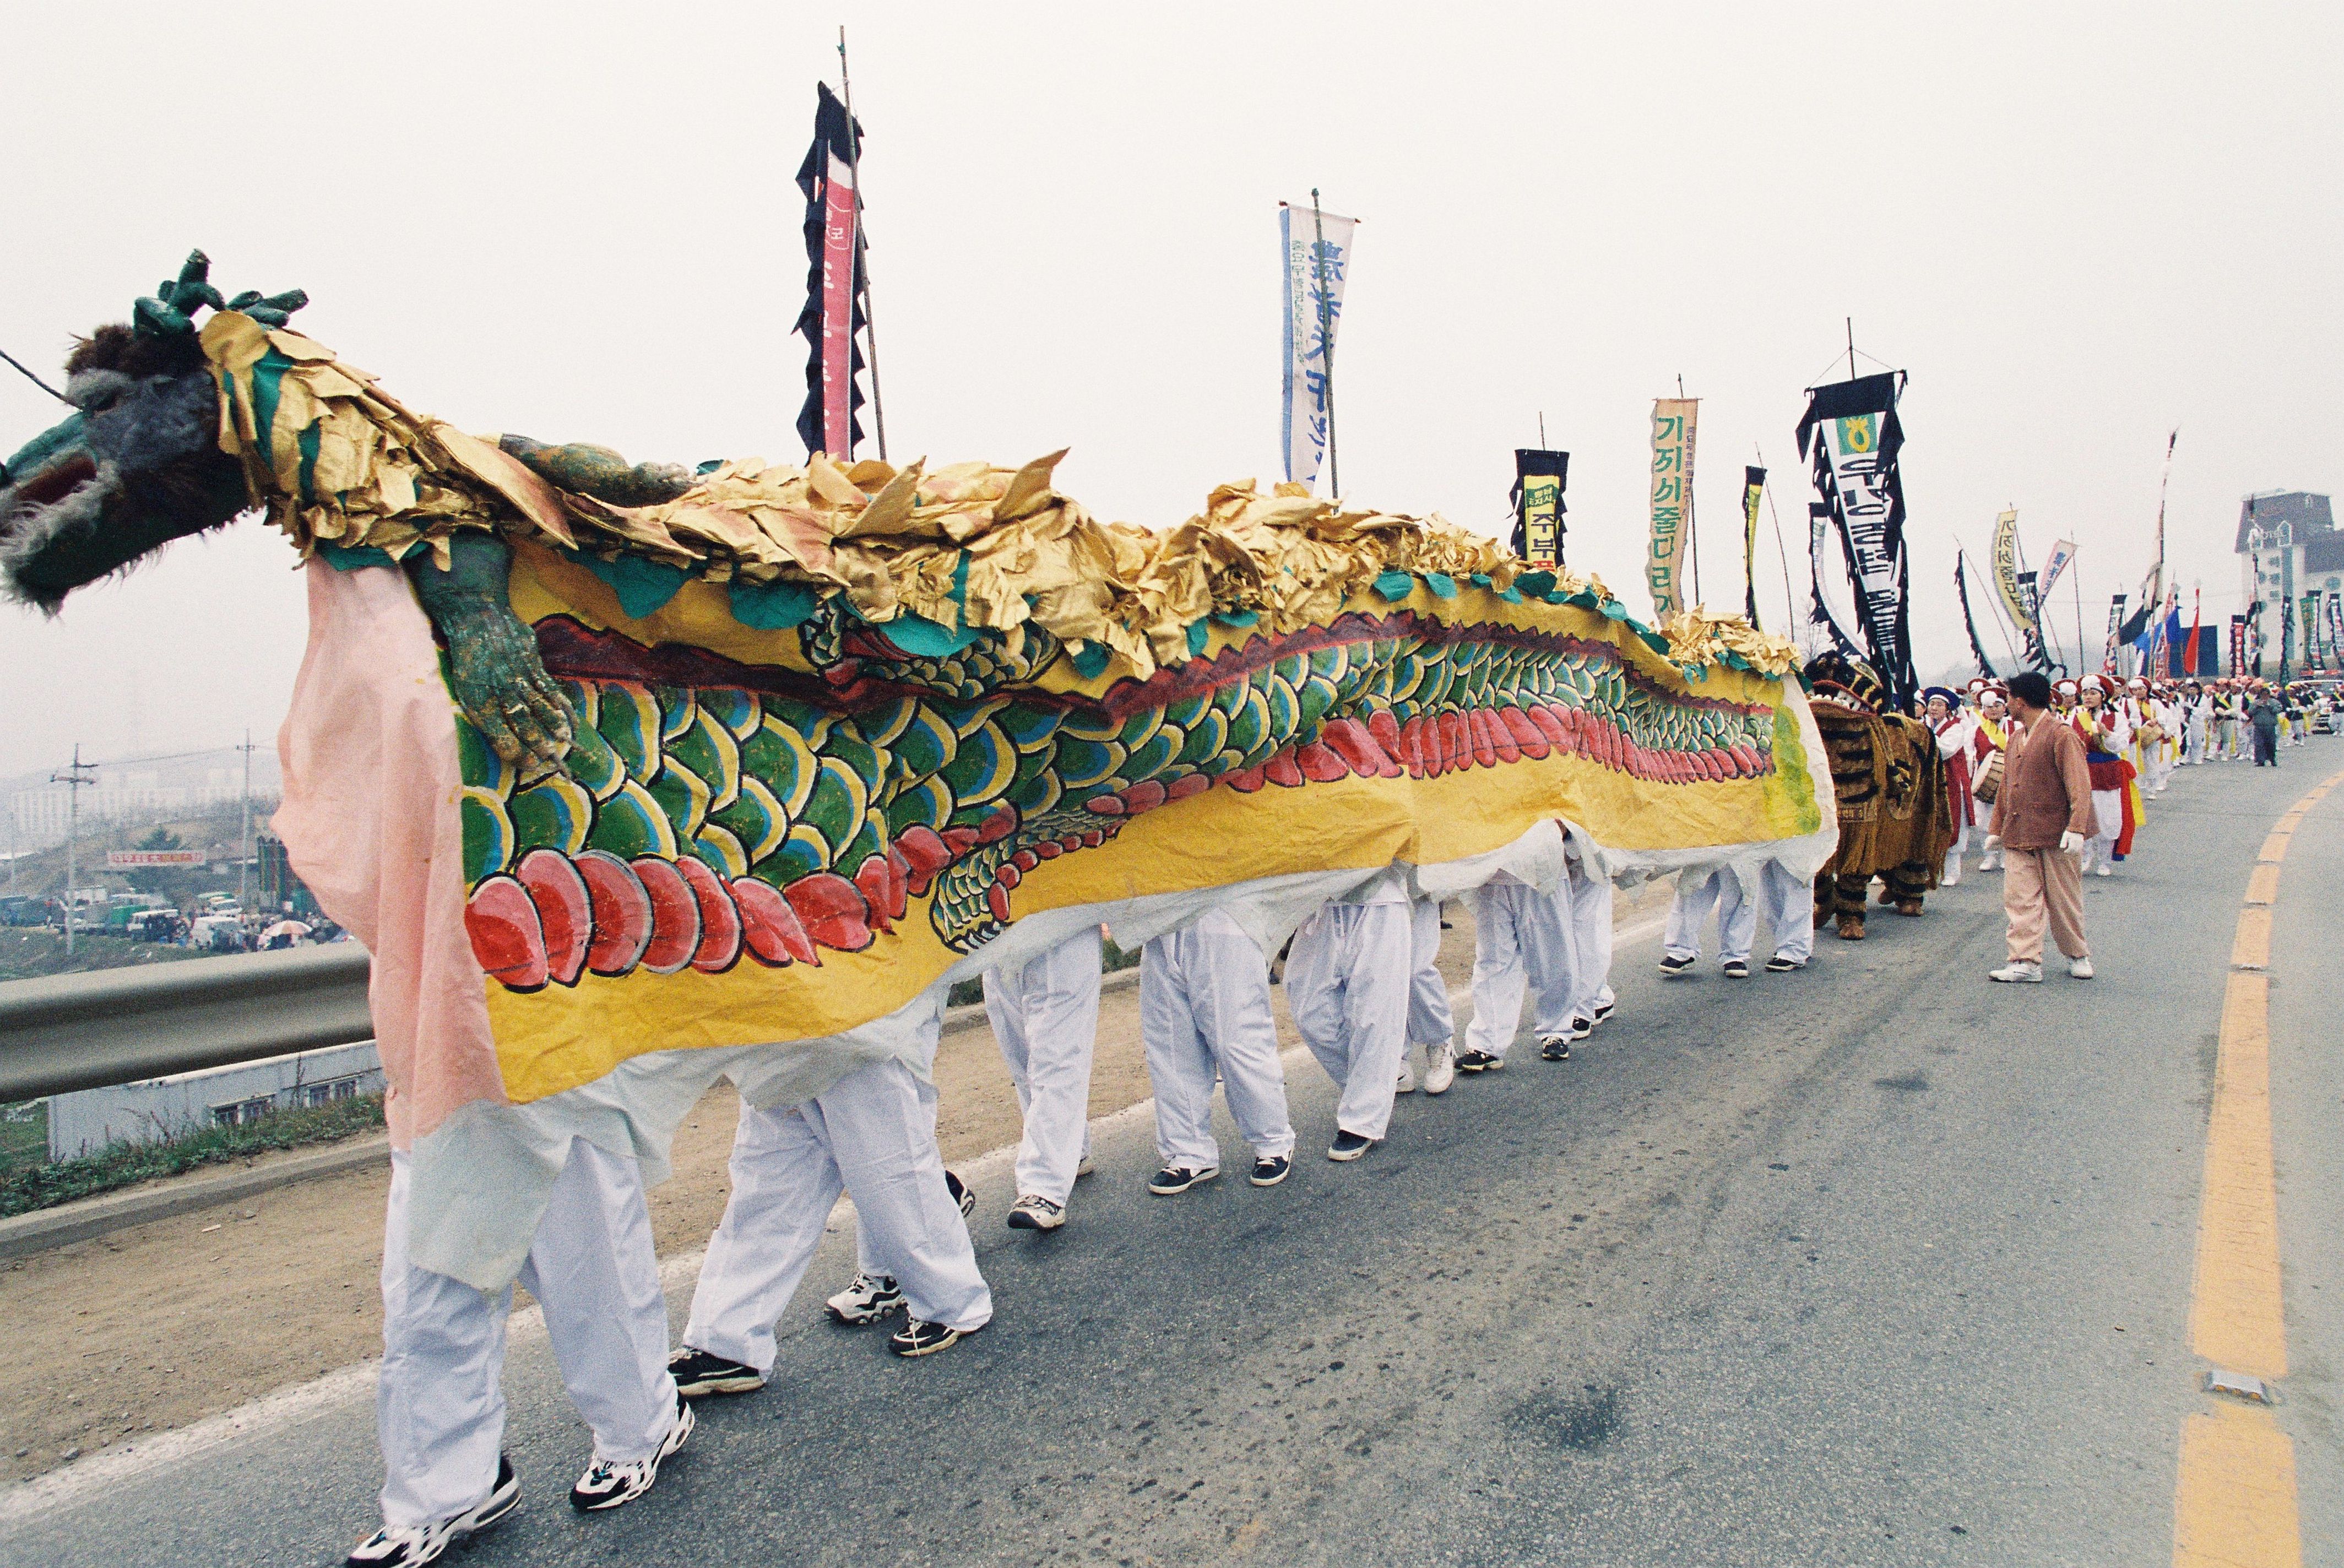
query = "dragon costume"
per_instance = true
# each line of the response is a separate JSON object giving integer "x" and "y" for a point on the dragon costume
{"x": 631, "y": 776}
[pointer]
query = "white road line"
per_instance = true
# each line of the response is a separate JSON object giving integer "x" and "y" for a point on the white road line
{"x": 354, "y": 1384}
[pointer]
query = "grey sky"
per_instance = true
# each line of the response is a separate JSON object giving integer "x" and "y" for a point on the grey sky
{"x": 2076, "y": 226}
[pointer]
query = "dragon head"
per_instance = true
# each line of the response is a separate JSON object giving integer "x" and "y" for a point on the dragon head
{"x": 137, "y": 463}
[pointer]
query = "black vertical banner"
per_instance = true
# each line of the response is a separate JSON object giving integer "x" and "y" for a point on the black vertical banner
{"x": 1851, "y": 431}
{"x": 835, "y": 307}
{"x": 1538, "y": 480}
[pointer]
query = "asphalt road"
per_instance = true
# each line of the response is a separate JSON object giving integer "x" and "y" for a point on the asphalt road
{"x": 1876, "y": 1263}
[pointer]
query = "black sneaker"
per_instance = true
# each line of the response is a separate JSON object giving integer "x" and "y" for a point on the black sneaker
{"x": 962, "y": 1193}
{"x": 1582, "y": 1028}
{"x": 1178, "y": 1178}
{"x": 1737, "y": 968}
{"x": 1555, "y": 1048}
{"x": 867, "y": 1298}
{"x": 1035, "y": 1212}
{"x": 1479, "y": 1062}
{"x": 1604, "y": 1010}
{"x": 1270, "y": 1169}
{"x": 410, "y": 1546}
{"x": 1778, "y": 964}
{"x": 1676, "y": 966}
{"x": 918, "y": 1339}
{"x": 1349, "y": 1145}
{"x": 614, "y": 1484}
{"x": 697, "y": 1374}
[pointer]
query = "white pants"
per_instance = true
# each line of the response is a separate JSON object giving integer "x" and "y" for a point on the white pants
{"x": 1046, "y": 1017}
{"x": 1204, "y": 999}
{"x": 867, "y": 1134}
{"x": 1591, "y": 940}
{"x": 1952, "y": 872}
{"x": 2107, "y": 813}
{"x": 1348, "y": 977}
{"x": 1789, "y": 909}
{"x": 1521, "y": 944}
{"x": 439, "y": 1404}
{"x": 1737, "y": 917}
{"x": 1429, "y": 1021}
{"x": 871, "y": 1249}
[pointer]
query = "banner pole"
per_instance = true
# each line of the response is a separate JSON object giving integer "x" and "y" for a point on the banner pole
{"x": 1327, "y": 339}
{"x": 870, "y": 309}
{"x": 1781, "y": 553}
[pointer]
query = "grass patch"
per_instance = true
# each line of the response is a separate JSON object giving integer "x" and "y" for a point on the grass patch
{"x": 30, "y": 953}
{"x": 44, "y": 1186}
{"x": 968, "y": 993}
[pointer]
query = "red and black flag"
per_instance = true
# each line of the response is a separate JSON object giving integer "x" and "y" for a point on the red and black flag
{"x": 837, "y": 291}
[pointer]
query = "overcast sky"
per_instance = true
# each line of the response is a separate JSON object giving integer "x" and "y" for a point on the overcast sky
{"x": 2077, "y": 227}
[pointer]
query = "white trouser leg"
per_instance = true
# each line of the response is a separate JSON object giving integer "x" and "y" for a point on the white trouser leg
{"x": 1347, "y": 980}
{"x": 1046, "y": 1016}
{"x": 882, "y": 1141}
{"x": 440, "y": 1405}
{"x": 1960, "y": 846}
{"x": 867, "y": 1260}
{"x": 1548, "y": 962}
{"x": 1501, "y": 977}
{"x": 1179, "y": 1064}
{"x": 1429, "y": 1021}
{"x": 1688, "y": 913}
{"x": 1591, "y": 941}
{"x": 595, "y": 1274}
{"x": 1791, "y": 910}
{"x": 784, "y": 1184}
{"x": 1737, "y": 919}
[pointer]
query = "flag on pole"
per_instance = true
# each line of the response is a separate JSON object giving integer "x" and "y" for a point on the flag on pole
{"x": 2005, "y": 570}
{"x": 2062, "y": 553}
{"x": 2190, "y": 665}
{"x": 1852, "y": 431}
{"x": 1672, "y": 440}
{"x": 1754, "y": 487}
{"x": 2238, "y": 647}
{"x": 2115, "y": 634}
{"x": 1539, "y": 478}
{"x": 1961, "y": 592}
{"x": 1317, "y": 246}
{"x": 836, "y": 289}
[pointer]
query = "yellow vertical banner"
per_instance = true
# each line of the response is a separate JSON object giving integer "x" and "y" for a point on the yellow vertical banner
{"x": 1673, "y": 436}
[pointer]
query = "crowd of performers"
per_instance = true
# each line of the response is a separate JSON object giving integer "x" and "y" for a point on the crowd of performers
{"x": 1365, "y": 995}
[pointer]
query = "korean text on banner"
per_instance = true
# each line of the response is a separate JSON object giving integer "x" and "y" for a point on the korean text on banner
{"x": 1539, "y": 479}
{"x": 2005, "y": 571}
{"x": 1753, "y": 486}
{"x": 1316, "y": 249}
{"x": 1672, "y": 442}
{"x": 2062, "y": 553}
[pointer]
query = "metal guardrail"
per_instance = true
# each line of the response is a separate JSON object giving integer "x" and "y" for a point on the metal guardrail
{"x": 119, "y": 1025}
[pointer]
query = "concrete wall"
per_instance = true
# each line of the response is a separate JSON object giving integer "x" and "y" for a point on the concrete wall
{"x": 87, "y": 1120}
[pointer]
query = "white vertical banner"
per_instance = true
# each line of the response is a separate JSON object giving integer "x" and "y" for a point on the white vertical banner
{"x": 2062, "y": 553}
{"x": 1672, "y": 441}
{"x": 1317, "y": 248}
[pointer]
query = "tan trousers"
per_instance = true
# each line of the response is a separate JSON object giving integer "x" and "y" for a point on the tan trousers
{"x": 2040, "y": 883}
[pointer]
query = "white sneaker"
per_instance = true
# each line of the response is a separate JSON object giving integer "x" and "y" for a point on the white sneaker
{"x": 2103, "y": 869}
{"x": 1440, "y": 1066}
{"x": 1082, "y": 1169}
{"x": 2081, "y": 968}
{"x": 1953, "y": 878}
{"x": 867, "y": 1298}
{"x": 2017, "y": 974}
{"x": 1035, "y": 1212}
{"x": 1406, "y": 1084}
{"x": 412, "y": 1546}
{"x": 613, "y": 1483}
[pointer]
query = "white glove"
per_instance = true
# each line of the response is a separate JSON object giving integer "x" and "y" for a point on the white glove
{"x": 2070, "y": 843}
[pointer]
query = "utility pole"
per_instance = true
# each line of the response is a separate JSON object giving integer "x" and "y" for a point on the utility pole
{"x": 244, "y": 846}
{"x": 73, "y": 778}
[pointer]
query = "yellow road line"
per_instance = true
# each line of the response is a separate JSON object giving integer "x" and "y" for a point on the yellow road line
{"x": 2234, "y": 1503}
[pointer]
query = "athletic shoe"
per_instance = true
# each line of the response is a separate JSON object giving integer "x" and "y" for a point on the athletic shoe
{"x": 1178, "y": 1178}
{"x": 1673, "y": 966}
{"x": 2017, "y": 974}
{"x": 1953, "y": 878}
{"x": 697, "y": 1372}
{"x": 1479, "y": 1062}
{"x": 610, "y": 1483}
{"x": 962, "y": 1193}
{"x": 1440, "y": 1068}
{"x": 1034, "y": 1212}
{"x": 1270, "y": 1169}
{"x": 1082, "y": 1168}
{"x": 1737, "y": 968}
{"x": 411, "y": 1545}
{"x": 1554, "y": 1047}
{"x": 1349, "y": 1145}
{"x": 867, "y": 1298}
{"x": 916, "y": 1338}
{"x": 1581, "y": 1028}
{"x": 2103, "y": 869}
{"x": 1779, "y": 965}
{"x": 1604, "y": 1010}
{"x": 2081, "y": 968}
{"x": 1407, "y": 1084}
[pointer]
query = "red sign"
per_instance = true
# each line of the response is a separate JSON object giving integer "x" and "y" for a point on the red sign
{"x": 838, "y": 312}
{"x": 136, "y": 859}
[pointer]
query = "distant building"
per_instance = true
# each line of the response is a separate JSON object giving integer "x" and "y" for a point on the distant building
{"x": 2288, "y": 547}
{"x": 156, "y": 1109}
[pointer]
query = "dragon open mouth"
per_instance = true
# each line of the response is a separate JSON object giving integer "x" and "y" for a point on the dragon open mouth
{"x": 52, "y": 484}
